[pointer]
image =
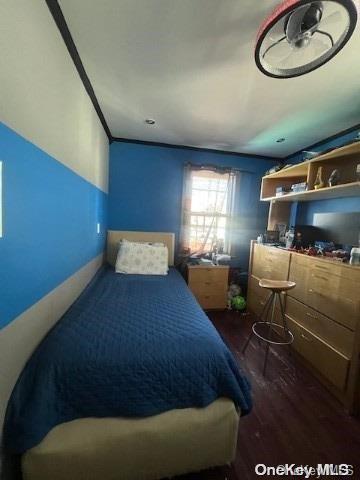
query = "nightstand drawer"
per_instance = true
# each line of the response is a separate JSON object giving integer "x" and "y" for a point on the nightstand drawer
{"x": 212, "y": 301}
{"x": 208, "y": 288}
{"x": 208, "y": 275}
{"x": 209, "y": 285}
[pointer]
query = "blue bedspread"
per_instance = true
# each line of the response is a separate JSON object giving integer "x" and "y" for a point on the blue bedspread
{"x": 129, "y": 346}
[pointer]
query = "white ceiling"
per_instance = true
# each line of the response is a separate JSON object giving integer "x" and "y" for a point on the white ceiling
{"x": 189, "y": 65}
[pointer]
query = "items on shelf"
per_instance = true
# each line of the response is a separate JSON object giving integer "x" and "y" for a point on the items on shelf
{"x": 299, "y": 187}
{"x": 319, "y": 181}
{"x": 334, "y": 178}
{"x": 280, "y": 191}
{"x": 273, "y": 169}
{"x": 310, "y": 155}
{"x": 277, "y": 168}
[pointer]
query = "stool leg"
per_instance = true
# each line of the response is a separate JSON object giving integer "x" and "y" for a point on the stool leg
{"x": 270, "y": 331}
{"x": 267, "y": 304}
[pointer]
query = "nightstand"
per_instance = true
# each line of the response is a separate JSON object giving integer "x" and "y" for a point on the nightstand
{"x": 209, "y": 284}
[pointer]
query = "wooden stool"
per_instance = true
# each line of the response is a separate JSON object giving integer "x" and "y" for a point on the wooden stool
{"x": 266, "y": 334}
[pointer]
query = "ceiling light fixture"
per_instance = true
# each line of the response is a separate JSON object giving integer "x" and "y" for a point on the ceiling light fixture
{"x": 300, "y": 36}
{"x": 280, "y": 140}
{"x": 150, "y": 121}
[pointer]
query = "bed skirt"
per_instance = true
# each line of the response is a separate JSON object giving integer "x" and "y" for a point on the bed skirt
{"x": 171, "y": 443}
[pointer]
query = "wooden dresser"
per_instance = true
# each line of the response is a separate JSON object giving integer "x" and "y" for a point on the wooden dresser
{"x": 209, "y": 284}
{"x": 323, "y": 313}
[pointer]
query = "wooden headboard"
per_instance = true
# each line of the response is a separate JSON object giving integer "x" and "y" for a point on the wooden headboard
{"x": 114, "y": 237}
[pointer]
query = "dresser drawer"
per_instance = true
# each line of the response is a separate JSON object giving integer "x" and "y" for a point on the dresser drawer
{"x": 326, "y": 267}
{"x": 211, "y": 301}
{"x": 270, "y": 263}
{"x": 208, "y": 276}
{"x": 334, "y": 296}
{"x": 334, "y": 334}
{"x": 330, "y": 363}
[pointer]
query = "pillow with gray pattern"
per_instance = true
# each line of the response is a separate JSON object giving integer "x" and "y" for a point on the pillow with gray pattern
{"x": 142, "y": 258}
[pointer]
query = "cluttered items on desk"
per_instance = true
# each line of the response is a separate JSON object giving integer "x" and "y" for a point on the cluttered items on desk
{"x": 209, "y": 259}
{"x": 313, "y": 240}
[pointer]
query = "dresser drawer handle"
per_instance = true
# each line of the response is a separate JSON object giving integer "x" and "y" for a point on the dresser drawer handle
{"x": 207, "y": 283}
{"x": 321, "y": 267}
{"x": 317, "y": 293}
{"x": 320, "y": 277}
{"x": 312, "y": 316}
{"x": 305, "y": 337}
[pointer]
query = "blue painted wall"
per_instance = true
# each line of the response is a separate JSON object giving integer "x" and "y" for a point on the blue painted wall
{"x": 50, "y": 215}
{"x": 303, "y": 213}
{"x": 145, "y": 190}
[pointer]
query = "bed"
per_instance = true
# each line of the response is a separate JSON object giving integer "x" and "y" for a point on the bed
{"x": 132, "y": 383}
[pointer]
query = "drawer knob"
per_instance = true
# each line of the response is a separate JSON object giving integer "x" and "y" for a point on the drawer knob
{"x": 314, "y": 291}
{"x": 305, "y": 337}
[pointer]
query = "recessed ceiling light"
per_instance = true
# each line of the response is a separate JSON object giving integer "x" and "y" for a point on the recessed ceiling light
{"x": 150, "y": 121}
{"x": 280, "y": 140}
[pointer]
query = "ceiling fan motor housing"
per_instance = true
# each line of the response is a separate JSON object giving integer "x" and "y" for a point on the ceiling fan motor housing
{"x": 301, "y": 19}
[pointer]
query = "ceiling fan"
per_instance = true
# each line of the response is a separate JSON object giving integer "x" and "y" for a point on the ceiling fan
{"x": 301, "y": 35}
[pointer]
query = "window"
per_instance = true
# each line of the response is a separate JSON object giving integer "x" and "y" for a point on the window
{"x": 208, "y": 208}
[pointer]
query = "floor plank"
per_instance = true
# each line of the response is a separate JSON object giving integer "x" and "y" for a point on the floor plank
{"x": 294, "y": 418}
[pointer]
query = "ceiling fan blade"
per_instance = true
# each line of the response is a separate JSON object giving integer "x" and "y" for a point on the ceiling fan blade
{"x": 296, "y": 58}
{"x": 277, "y": 52}
{"x": 320, "y": 45}
{"x": 287, "y": 62}
{"x": 331, "y": 19}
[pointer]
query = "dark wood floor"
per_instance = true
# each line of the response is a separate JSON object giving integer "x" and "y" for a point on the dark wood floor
{"x": 294, "y": 418}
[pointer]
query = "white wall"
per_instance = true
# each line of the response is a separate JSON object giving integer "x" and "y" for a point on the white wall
{"x": 41, "y": 94}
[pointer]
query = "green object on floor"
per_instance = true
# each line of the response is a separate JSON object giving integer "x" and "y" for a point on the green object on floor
{"x": 238, "y": 303}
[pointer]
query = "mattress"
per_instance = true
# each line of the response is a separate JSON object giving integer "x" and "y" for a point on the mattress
{"x": 130, "y": 346}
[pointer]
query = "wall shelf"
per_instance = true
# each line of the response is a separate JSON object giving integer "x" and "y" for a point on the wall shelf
{"x": 344, "y": 159}
{"x": 345, "y": 190}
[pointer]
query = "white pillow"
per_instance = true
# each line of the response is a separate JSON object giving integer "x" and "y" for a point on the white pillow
{"x": 142, "y": 258}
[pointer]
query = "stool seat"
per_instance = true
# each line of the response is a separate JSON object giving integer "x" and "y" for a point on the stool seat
{"x": 277, "y": 285}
